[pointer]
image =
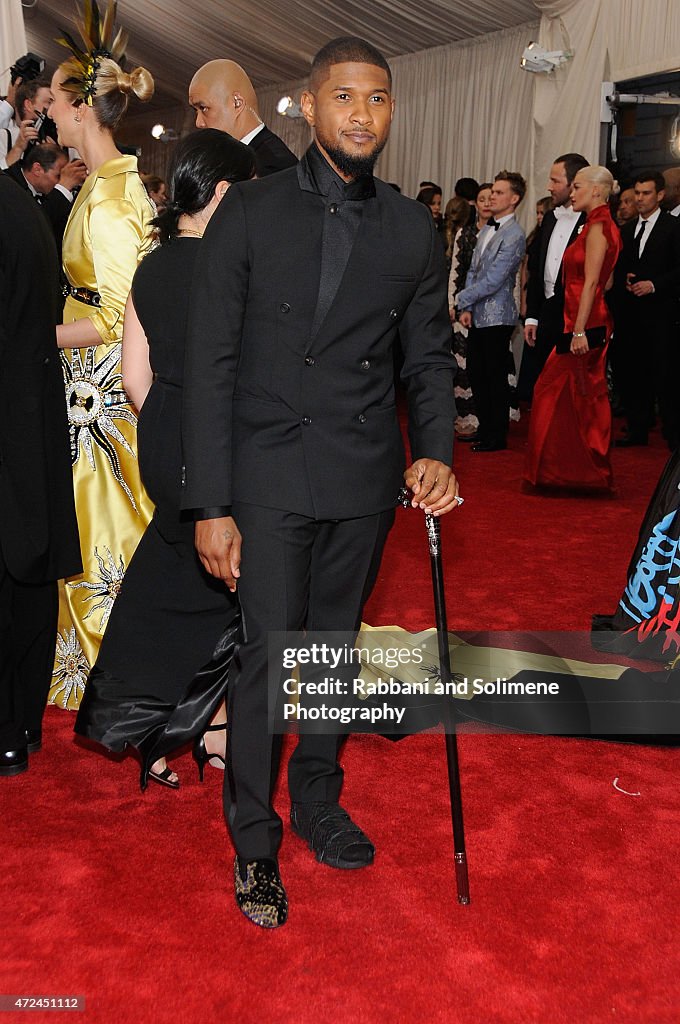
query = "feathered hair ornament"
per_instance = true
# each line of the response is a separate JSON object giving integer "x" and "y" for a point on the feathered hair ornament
{"x": 100, "y": 39}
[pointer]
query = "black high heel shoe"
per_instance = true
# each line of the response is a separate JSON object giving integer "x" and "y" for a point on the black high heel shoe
{"x": 201, "y": 755}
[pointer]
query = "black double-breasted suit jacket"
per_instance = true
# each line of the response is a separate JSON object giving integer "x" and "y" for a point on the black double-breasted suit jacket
{"x": 278, "y": 415}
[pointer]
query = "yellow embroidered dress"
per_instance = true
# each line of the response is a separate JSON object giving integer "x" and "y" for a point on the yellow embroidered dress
{"x": 108, "y": 233}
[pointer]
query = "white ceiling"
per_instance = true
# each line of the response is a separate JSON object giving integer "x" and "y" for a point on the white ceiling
{"x": 273, "y": 40}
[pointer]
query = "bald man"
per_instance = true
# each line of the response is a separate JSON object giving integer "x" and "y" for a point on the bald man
{"x": 223, "y": 97}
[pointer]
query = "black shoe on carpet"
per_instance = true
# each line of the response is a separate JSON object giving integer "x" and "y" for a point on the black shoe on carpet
{"x": 259, "y": 892}
{"x": 13, "y": 762}
{"x": 329, "y": 831}
{"x": 33, "y": 740}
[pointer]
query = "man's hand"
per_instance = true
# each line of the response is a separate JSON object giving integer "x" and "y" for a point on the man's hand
{"x": 73, "y": 174}
{"x": 530, "y": 334}
{"x": 465, "y": 319}
{"x": 640, "y": 288}
{"x": 433, "y": 485}
{"x": 218, "y": 543}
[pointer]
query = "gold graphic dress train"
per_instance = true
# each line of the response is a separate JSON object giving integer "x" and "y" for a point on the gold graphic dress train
{"x": 107, "y": 235}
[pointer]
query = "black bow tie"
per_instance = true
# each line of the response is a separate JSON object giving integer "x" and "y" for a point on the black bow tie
{"x": 491, "y": 223}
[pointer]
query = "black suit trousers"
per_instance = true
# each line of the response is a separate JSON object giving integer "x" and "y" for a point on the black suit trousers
{"x": 648, "y": 365}
{"x": 28, "y": 628}
{"x": 296, "y": 573}
{"x": 487, "y": 366}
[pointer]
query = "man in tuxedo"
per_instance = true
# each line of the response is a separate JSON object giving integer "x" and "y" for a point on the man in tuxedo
{"x": 646, "y": 314}
{"x": 293, "y": 452}
{"x": 223, "y": 97}
{"x": 486, "y": 306}
{"x": 544, "y": 322}
{"x": 38, "y": 533}
{"x": 46, "y": 172}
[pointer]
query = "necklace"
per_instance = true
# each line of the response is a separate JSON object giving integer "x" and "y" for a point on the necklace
{"x": 187, "y": 231}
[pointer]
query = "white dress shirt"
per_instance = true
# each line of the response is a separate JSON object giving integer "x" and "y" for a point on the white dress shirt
{"x": 247, "y": 139}
{"x": 675, "y": 212}
{"x": 565, "y": 222}
{"x": 651, "y": 221}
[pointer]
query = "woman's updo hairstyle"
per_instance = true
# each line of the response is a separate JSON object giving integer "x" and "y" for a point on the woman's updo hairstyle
{"x": 201, "y": 160}
{"x": 94, "y": 73}
{"x": 110, "y": 89}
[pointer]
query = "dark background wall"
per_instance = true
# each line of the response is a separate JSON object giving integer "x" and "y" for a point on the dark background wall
{"x": 644, "y": 130}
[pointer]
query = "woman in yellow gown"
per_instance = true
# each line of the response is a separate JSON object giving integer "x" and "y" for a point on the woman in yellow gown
{"x": 108, "y": 233}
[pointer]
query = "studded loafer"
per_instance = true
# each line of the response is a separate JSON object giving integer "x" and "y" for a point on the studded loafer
{"x": 259, "y": 892}
{"x": 329, "y": 831}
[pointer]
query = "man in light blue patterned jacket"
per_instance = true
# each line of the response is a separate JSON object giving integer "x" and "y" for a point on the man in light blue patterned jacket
{"x": 487, "y": 307}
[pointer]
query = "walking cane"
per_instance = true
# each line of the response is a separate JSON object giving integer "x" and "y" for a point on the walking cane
{"x": 433, "y": 527}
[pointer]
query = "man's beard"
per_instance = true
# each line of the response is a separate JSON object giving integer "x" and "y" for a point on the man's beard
{"x": 348, "y": 164}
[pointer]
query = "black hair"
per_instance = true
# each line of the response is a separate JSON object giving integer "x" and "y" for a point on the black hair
{"x": 345, "y": 50}
{"x": 44, "y": 154}
{"x": 655, "y": 176}
{"x": 466, "y": 188}
{"x": 485, "y": 184}
{"x": 201, "y": 160}
{"x": 573, "y": 163}
{"x": 426, "y": 195}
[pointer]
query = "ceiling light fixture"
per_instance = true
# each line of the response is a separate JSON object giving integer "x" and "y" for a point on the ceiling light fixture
{"x": 287, "y": 107}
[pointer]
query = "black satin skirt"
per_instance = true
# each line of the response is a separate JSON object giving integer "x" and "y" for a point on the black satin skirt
{"x": 163, "y": 664}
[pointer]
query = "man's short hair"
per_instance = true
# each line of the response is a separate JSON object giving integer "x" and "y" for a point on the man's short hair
{"x": 573, "y": 163}
{"x": 345, "y": 50}
{"x": 44, "y": 154}
{"x": 27, "y": 92}
{"x": 516, "y": 182}
{"x": 655, "y": 176}
{"x": 466, "y": 188}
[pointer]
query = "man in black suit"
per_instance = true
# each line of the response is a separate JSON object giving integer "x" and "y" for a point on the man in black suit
{"x": 43, "y": 168}
{"x": 38, "y": 533}
{"x": 646, "y": 314}
{"x": 292, "y": 444}
{"x": 544, "y": 322}
{"x": 223, "y": 97}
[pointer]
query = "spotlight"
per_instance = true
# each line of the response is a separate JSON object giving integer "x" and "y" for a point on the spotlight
{"x": 163, "y": 134}
{"x": 287, "y": 107}
{"x": 541, "y": 61}
{"x": 674, "y": 141}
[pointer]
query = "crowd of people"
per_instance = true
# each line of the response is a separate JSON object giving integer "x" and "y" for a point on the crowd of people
{"x": 227, "y": 407}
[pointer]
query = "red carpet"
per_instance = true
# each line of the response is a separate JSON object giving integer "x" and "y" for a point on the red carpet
{"x": 127, "y": 899}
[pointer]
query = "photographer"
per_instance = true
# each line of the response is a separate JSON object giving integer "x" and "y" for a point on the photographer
{"x": 31, "y": 99}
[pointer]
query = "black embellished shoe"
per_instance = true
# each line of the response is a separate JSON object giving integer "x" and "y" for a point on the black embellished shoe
{"x": 259, "y": 892}
{"x": 13, "y": 762}
{"x": 202, "y": 755}
{"x": 329, "y": 831}
{"x": 33, "y": 740}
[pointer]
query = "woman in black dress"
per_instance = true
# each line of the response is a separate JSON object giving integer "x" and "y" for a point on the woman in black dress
{"x": 162, "y": 668}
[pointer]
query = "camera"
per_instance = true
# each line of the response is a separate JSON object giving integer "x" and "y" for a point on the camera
{"x": 47, "y": 129}
{"x": 27, "y": 68}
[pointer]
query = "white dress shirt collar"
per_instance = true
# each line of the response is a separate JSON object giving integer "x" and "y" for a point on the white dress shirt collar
{"x": 247, "y": 139}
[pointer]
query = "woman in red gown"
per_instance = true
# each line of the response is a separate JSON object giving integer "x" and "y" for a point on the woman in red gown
{"x": 570, "y": 430}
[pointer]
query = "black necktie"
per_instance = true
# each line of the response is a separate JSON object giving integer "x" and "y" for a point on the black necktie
{"x": 491, "y": 223}
{"x": 38, "y": 198}
{"x": 638, "y": 237}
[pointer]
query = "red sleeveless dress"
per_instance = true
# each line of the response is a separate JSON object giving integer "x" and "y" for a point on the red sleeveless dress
{"x": 570, "y": 429}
